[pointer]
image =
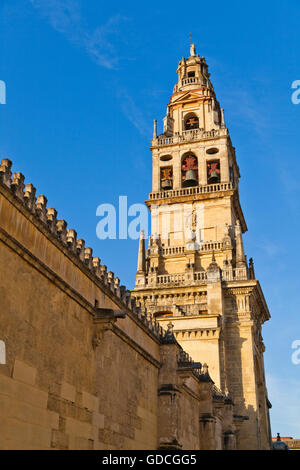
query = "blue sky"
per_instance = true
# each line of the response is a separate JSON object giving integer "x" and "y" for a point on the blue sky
{"x": 85, "y": 79}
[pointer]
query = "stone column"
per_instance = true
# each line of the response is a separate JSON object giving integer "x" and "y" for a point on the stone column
{"x": 169, "y": 397}
{"x": 224, "y": 167}
{"x": 239, "y": 247}
{"x": 202, "y": 171}
{"x": 156, "y": 172}
{"x": 140, "y": 279}
{"x": 229, "y": 441}
{"x": 176, "y": 169}
{"x": 207, "y": 428}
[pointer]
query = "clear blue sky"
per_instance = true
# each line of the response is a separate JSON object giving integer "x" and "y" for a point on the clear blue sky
{"x": 85, "y": 80}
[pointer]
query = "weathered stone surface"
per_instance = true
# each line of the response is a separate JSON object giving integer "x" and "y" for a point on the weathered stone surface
{"x": 194, "y": 271}
{"x": 81, "y": 376}
{"x": 57, "y": 389}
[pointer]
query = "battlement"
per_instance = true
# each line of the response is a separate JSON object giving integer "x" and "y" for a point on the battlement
{"x": 73, "y": 335}
{"x": 67, "y": 237}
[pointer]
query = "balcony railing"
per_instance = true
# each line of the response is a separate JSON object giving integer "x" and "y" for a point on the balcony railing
{"x": 174, "y": 250}
{"x": 170, "y": 279}
{"x": 189, "y": 135}
{"x": 236, "y": 274}
{"x": 195, "y": 278}
{"x": 192, "y": 81}
{"x": 200, "y": 276}
{"x": 205, "y": 188}
{"x": 180, "y": 250}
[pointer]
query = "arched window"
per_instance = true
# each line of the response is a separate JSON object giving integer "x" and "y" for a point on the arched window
{"x": 191, "y": 121}
{"x": 166, "y": 178}
{"x": 213, "y": 172}
{"x": 189, "y": 170}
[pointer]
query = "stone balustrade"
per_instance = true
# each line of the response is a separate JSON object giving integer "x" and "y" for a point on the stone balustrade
{"x": 235, "y": 274}
{"x": 203, "y": 189}
{"x": 200, "y": 276}
{"x": 189, "y": 136}
{"x": 202, "y": 85}
{"x": 174, "y": 250}
{"x": 170, "y": 279}
{"x": 192, "y": 81}
{"x": 203, "y": 247}
{"x": 195, "y": 278}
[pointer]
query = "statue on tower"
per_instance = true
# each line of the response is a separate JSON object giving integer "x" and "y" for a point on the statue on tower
{"x": 193, "y": 49}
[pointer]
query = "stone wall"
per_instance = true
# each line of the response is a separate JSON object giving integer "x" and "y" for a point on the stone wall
{"x": 85, "y": 368}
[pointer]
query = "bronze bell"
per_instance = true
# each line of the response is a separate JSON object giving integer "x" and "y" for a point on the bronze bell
{"x": 190, "y": 179}
{"x": 214, "y": 177}
{"x": 166, "y": 184}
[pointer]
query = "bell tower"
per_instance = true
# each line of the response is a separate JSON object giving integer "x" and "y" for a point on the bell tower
{"x": 194, "y": 272}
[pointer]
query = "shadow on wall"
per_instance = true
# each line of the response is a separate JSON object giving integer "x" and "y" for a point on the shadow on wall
{"x": 245, "y": 376}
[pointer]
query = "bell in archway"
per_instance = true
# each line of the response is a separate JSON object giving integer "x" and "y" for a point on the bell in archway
{"x": 190, "y": 179}
{"x": 213, "y": 177}
{"x": 166, "y": 178}
{"x": 166, "y": 184}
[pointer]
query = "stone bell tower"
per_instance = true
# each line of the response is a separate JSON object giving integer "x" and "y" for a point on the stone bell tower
{"x": 195, "y": 272}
